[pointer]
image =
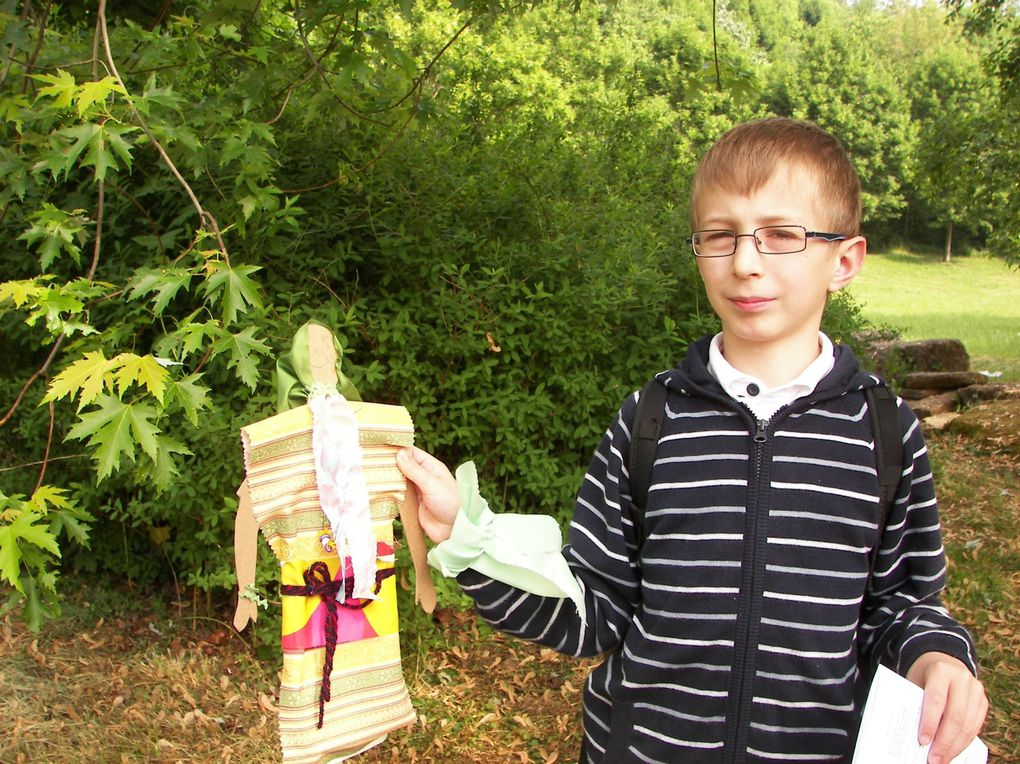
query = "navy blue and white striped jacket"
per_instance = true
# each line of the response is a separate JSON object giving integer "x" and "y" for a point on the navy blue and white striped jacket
{"x": 742, "y": 627}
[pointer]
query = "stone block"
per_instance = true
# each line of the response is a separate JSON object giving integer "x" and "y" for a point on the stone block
{"x": 943, "y": 380}
{"x": 896, "y": 357}
{"x": 934, "y": 404}
{"x": 988, "y": 392}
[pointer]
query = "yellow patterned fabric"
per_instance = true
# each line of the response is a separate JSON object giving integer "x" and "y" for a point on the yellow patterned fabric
{"x": 367, "y": 694}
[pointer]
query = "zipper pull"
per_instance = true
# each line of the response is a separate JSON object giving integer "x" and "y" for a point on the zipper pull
{"x": 759, "y": 435}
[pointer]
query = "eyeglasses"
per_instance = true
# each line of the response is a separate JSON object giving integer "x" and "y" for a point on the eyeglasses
{"x": 770, "y": 240}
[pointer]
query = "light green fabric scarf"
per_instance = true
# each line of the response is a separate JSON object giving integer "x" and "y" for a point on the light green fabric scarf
{"x": 294, "y": 377}
{"x": 520, "y": 550}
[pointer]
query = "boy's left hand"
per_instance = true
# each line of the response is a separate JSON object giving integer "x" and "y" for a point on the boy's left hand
{"x": 954, "y": 705}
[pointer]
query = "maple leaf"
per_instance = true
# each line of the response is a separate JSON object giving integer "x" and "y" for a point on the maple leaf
{"x": 26, "y": 527}
{"x": 96, "y": 91}
{"x": 89, "y": 375}
{"x": 115, "y": 430}
{"x": 193, "y": 336}
{"x": 189, "y": 395}
{"x": 143, "y": 370}
{"x": 165, "y": 282}
{"x": 20, "y": 292}
{"x": 164, "y": 467}
{"x": 83, "y": 136}
{"x": 241, "y": 346}
{"x": 64, "y": 515}
{"x": 62, "y": 87}
{"x": 234, "y": 288}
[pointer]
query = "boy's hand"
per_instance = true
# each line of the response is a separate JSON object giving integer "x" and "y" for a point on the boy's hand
{"x": 954, "y": 705}
{"x": 438, "y": 497}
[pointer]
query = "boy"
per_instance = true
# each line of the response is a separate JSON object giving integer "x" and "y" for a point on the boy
{"x": 740, "y": 623}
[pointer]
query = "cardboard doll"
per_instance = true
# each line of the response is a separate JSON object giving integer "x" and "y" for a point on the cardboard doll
{"x": 323, "y": 486}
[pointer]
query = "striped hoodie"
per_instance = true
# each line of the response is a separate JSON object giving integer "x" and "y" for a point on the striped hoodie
{"x": 742, "y": 626}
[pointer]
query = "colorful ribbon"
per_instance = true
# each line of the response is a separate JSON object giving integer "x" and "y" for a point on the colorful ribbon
{"x": 319, "y": 583}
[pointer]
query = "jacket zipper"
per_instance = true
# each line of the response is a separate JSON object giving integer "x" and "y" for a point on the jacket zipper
{"x": 744, "y": 664}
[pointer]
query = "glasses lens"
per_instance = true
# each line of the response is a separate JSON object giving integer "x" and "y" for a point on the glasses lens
{"x": 714, "y": 243}
{"x": 781, "y": 239}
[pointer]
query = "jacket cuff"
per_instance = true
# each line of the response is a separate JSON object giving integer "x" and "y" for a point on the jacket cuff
{"x": 522, "y": 551}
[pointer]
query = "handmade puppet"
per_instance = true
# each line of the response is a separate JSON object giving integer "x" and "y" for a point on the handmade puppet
{"x": 323, "y": 486}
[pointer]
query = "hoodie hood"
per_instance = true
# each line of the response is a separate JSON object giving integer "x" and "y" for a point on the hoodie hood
{"x": 692, "y": 374}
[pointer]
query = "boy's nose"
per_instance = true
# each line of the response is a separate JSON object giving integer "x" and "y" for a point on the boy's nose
{"x": 747, "y": 260}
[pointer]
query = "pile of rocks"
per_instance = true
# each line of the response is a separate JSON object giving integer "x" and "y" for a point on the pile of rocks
{"x": 934, "y": 376}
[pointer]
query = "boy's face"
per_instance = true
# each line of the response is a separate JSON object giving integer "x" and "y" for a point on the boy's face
{"x": 773, "y": 302}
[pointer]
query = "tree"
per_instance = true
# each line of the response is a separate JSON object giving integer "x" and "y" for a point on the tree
{"x": 142, "y": 171}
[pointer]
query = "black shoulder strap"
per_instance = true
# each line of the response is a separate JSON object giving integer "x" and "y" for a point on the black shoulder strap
{"x": 644, "y": 440}
{"x": 885, "y": 429}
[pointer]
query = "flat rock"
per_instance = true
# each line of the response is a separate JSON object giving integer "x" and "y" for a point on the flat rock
{"x": 934, "y": 405}
{"x": 940, "y": 421}
{"x": 943, "y": 380}
{"x": 909, "y": 394}
{"x": 893, "y": 358}
{"x": 988, "y": 392}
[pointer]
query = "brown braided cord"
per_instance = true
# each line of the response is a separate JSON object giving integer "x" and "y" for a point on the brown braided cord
{"x": 318, "y": 583}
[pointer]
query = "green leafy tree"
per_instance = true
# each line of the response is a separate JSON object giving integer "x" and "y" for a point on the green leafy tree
{"x": 834, "y": 76}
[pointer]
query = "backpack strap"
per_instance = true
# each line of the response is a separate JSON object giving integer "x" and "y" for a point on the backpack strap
{"x": 644, "y": 440}
{"x": 885, "y": 429}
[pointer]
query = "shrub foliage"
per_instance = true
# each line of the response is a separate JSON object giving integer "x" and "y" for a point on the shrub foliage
{"x": 485, "y": 201}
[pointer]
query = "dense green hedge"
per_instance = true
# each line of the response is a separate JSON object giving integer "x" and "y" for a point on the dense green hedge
{"x": 486, "y": 203}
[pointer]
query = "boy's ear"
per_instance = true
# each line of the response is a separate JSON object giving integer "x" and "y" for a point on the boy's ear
{"x": 849, "y": 259}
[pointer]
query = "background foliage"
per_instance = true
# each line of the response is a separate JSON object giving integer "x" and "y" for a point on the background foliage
{"x": 486, "y": 201}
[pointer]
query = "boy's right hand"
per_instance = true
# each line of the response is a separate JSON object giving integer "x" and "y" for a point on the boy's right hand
{"x": 438, "y": 497}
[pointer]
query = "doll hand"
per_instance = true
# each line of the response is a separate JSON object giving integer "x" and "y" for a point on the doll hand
{"x": 954, "y": 705}
{"x": 438, "y": 497}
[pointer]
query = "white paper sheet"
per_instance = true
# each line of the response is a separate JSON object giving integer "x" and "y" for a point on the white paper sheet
{"x": 892, "y": 716}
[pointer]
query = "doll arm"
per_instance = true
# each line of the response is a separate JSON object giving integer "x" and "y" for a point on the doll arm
{"x": 246, "y": 531}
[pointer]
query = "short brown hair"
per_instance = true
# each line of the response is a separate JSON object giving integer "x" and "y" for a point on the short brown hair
{"x": 747, "y": 156}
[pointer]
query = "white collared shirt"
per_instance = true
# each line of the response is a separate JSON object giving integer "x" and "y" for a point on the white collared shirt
{"x": 762, "y": 400}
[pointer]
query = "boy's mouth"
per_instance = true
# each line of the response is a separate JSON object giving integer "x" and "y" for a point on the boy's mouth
{"x": 750, "y": 303}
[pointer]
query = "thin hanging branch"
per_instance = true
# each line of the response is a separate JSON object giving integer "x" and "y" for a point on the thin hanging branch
{"x": 49, "y": 445}
{"x": 715, "y": 47}
{"x": 205, "y": 217}
{"x": 31, "y": 380}
{"x": 415, "y": 91}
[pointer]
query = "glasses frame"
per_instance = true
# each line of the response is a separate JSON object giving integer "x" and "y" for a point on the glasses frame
{"x": 826, "y": 237}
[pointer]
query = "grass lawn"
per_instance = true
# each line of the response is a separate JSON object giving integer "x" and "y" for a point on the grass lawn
{"x": 975, "y": 299}
{"x": 126, "y": 676}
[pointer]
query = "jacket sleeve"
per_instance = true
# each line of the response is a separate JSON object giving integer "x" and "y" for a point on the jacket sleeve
{"x": 600, "y": 553}
{"x": 903, "y": 614}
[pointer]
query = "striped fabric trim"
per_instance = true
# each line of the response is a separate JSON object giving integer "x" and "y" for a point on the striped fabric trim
{"x": 368, "y": 696}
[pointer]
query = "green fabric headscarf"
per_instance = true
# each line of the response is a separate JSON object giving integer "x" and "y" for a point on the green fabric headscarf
{"x": 294, "y": 373}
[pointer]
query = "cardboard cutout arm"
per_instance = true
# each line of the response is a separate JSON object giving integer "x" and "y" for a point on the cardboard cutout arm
{"x": 424, "y": 589}
{"x": 246, "y": 536}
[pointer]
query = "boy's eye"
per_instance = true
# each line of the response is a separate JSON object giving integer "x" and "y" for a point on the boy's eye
{"x": 779, "y": 234}
{"x": 717, "y": 237}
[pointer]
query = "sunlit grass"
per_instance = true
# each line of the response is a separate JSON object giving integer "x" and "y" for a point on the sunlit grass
{"x": 975, "y": 299}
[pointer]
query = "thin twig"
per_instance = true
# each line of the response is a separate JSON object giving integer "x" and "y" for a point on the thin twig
{"x": 205, "y": 218}
{"x": 286, "y": 100}
{"x": 31, "y": 380}
{"x": 99, "y": 230}
{"x": 321, "y": 71}
{"x": 26, "y": 465}
{"x": 230, "y": 629}
{"x": 145, "y": 214}
{"x": 38, "y": 47}
{"x": 46, "y": 455}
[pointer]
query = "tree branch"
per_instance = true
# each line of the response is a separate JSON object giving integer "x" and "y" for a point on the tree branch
{"x": 205, "y": 218}
{"x": 46, "y": 455}
{"x": 31, "y": 380}
{"x": 321, "y": 71}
